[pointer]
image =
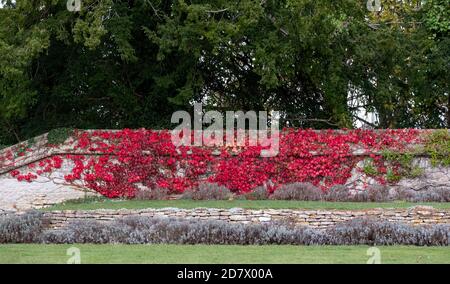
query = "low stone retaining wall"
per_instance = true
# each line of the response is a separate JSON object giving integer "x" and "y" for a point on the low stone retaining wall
{"x": 315, "y": 218}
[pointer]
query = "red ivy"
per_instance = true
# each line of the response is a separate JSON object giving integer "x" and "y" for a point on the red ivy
{"x": 127, "y": 159}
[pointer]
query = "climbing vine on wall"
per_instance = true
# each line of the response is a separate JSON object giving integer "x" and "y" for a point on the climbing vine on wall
{"x": 437, "y": 145}
{"x": 117, "y": 163}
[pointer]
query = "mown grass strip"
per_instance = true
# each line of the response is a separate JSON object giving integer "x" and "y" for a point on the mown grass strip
{"x": 90, "y": 204}
{"x": 38, "y": 253}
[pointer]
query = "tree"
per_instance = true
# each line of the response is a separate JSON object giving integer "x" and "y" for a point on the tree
{"x": 117, "y": 63}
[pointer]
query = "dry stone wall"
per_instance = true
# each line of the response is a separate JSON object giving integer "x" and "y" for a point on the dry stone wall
{"x": 419, "y": 215}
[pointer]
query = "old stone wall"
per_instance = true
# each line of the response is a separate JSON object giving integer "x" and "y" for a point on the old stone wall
{"x": 42, "y": 192}
{"x": 314, "y": 218}
{"x": 51, "y": 189}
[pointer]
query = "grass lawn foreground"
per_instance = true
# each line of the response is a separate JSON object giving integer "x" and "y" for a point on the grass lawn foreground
{"x": 220, "y": 254}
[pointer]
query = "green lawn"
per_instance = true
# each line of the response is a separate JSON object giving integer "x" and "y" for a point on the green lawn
{"x": 31, "y": 253}
{"x": 250, "y": 204}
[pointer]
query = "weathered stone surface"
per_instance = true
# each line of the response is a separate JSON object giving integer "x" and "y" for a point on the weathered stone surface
{"x": 238, "y": 218}
{"x": 235, "y": 210}
{"x": 432, "y": 177}
{"x": 19, "y": 196}
{"x": 314, "y": 218}
{"x": 50, "y": 190}
{"x": 264, "y": 219}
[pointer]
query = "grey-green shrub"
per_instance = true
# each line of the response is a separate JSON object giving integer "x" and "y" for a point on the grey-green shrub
{"x": 337, "y": 192}
{"x": 297, "y": 191}
{"x": 32, "y": 227}
{"x": 370, "y": 231}
{"x": 378, "y": 193}
{"x": 22, "y": 228}
{"x": 438, "y": 194}
{"x": 259, "y": 193}
{"x": 88, "y": 231}
{"x": 152, "y": 194}
{"x": 142, "y": 230}
{"x": 208, "y": 191}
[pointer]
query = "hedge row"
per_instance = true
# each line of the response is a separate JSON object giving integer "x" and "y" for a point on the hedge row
{"x": 32, "y": 228}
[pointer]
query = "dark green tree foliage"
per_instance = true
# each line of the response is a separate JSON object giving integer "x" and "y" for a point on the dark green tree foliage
{"x": 117, "y": 64}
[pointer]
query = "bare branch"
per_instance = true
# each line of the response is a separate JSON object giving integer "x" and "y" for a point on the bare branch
{"x": 365, "y": 121}
{"x": 217, "y": 11}
{"x": 273, "y": 20}
{"x": 327, "y": 121}
{"x": 154, "y": 9}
